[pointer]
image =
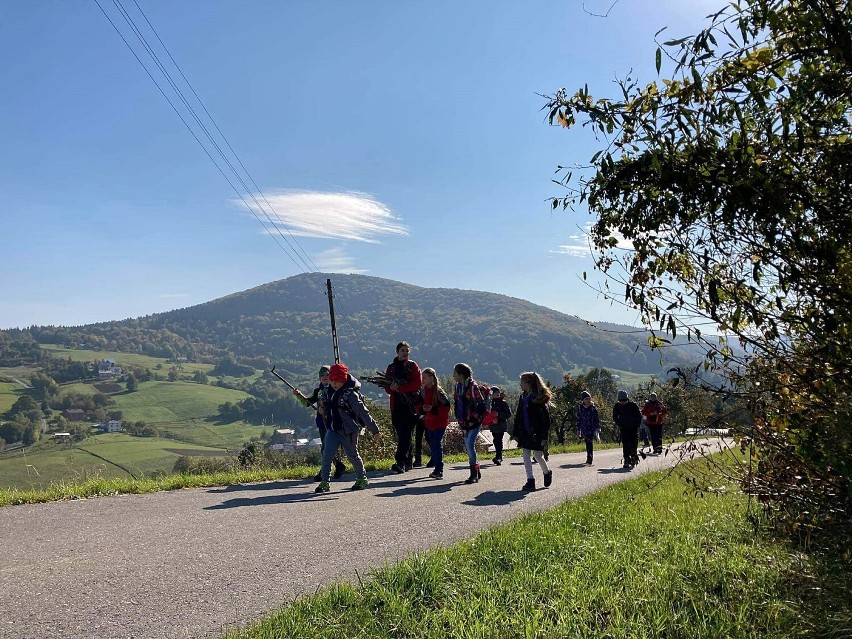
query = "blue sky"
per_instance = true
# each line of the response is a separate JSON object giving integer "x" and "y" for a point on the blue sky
{"x": 397, "y": 139}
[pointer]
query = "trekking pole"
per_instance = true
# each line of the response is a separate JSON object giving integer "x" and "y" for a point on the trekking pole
{"x": 292, "y": 387}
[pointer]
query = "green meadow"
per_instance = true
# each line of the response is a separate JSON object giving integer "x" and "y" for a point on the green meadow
{"x": 109, "y": 455}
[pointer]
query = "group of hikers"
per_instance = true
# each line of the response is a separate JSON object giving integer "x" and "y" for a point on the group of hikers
{"x": 421, "y": 408}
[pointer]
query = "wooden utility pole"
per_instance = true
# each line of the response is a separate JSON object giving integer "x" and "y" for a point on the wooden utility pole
{"x": 333, "y": 325}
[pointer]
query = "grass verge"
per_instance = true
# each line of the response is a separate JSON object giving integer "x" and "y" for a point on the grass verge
{"x": 100, "y": 486}
{"x": 623, "y": 563}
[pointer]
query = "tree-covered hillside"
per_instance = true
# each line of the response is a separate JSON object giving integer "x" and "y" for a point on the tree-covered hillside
{"x": 287, "y": 323}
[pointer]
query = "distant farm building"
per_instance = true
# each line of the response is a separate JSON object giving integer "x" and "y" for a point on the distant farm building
{"x": 74, "y": 414}
{"x": 112, "y": 426}
{"x": 107, "y": 369}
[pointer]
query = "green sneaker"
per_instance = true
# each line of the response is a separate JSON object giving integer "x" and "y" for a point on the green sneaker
{"x": 360, "y": 483}
{"x": 323, "y": 487}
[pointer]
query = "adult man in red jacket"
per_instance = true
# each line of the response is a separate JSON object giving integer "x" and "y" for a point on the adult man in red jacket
{"x": 655, "y": 413}
{"x": 404, "y": 393}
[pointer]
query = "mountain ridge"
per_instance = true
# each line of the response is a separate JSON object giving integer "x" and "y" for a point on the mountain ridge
{"x": 286, "y": 322}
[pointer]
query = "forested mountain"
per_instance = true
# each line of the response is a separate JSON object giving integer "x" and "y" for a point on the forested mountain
{"x": 286, "y": 323}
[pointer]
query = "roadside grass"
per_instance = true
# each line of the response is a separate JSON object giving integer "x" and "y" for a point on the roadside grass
{"x": 623, "y": 563}
{"x": 101, "y": 479}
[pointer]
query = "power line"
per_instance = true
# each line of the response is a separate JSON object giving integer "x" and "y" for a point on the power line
{"x": 292, "y": 253}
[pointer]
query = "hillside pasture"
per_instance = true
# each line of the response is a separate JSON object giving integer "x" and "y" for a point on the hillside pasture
{"x": 9, "y": 394}
{"x": 206, "y": 433}
{"x": 170, "y": 402}
{"x": 113, "y": 455}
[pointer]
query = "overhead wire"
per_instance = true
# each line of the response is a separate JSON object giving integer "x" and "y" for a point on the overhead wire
{"x": 297, "y": 253}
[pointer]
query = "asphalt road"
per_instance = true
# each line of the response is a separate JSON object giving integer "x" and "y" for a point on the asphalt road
{"x": 193, "y": 563}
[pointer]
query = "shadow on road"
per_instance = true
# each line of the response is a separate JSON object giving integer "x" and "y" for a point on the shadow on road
{"x": 271, "y": 500}
{"x": 609, "y": 471}
{"x": 434, "y": 487}
{"x": 580, "y": 465}
{"x": 272, "y": 485}
{"x": 496, "y": 498}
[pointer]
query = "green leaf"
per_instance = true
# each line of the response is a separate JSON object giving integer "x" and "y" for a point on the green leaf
{"x": 659, "y": 59}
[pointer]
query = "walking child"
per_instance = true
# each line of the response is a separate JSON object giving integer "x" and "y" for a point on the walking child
{"x": 588, "y": 424}
{"x": 346, "y": 417}
{"x": 436, "y": 412}
{"x": 532, "y": 426}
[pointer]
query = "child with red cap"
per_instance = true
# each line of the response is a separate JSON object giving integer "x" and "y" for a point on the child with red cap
{"x": 348, "y": 414}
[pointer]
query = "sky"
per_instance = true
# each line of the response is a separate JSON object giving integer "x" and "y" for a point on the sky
{"x": 403, "y": 140}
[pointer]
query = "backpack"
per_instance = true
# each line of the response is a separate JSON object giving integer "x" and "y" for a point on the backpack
{"x": 481, "y": 405}
{"x": 344, "y": 403}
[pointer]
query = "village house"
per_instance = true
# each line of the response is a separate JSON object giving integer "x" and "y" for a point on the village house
{"x": 74, "y": 414}
{"x": 112, "y": 426}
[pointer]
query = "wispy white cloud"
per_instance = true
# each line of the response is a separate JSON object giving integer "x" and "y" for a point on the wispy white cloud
{"x": 578, "y": 244}
{"x": 342, "y": 216}
{"x": 335, "y": 260}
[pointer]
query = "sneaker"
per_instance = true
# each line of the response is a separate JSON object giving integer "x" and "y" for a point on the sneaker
{"x": 360, "y": 483}
{"x": 408, "y": 467}
{"x": 548, "y": 479}
{"x": 588, "y": 461}
{"x": 436, "y": 475}
{"x": 323, "y": 487}
{"x": 497, "y": 461}
{"x": 529, "y": 486}
{"x": 318, "y": 477}
{"x": 417, "y": 463}
{"x": 430, "y": 464}
{"x": 627, "y": 466}
{"x": 339, "y": 469}
{"x": 397, "y": 469}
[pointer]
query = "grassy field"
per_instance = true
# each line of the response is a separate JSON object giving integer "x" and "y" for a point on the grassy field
{"x": 156, "y": 402}
{"x": 112, "y": 455}
{"x": 9, "y": 393}
{"x": 205, "y": 433}
{"x": 621, "y": 564}
{"x": 122, "y": 359}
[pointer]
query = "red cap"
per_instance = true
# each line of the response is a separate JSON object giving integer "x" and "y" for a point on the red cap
{"x": 338, "y": 373}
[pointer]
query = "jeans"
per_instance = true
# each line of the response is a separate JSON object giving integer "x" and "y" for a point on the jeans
{"x": 435, "y": 439}
{"x": 469, "y": 441}
{"x": 335, "y": 439}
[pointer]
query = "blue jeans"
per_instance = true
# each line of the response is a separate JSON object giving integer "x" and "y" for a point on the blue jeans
{"x": 469, "y": 441}
{"x": 335, "y": 439}
{"x": 435, "y": 439}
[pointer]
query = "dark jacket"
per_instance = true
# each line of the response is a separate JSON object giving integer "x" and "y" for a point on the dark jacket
{"x": 588, "y": 421}
{"x": 348, "y": 412}
{"x": 627, "y": 415}
{"x": 532, "y": 422}
{"x": 407, "y": 375}
{"x": 322, "y": 393}
{"x": 504, "y": 413}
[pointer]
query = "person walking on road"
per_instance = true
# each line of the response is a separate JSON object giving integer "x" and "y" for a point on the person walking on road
{"x": 320, "y": 398}
{"x": 471, "y": 401}
{"x": 588, "y": 424}
{"x": 436, "y": 418}
{"x": 654, "y": 412}
{"x": 347, "y": 415}
{"x": 532, "y": 426}
{"x": 627, "y": 416}
{"x": 404, "y": 391}
{"x": 501, "y": 408}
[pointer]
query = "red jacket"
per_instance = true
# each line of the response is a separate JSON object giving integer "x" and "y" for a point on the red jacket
{"x": 439, "y": 416}
{"x": 412, "y": 383}
{"x": 654, "y": 411}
